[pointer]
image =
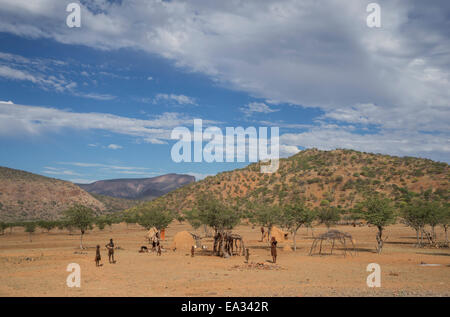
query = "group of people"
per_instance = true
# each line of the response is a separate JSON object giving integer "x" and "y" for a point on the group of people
{"x": 110, "y": 248}
{"x": 156, "y": 246}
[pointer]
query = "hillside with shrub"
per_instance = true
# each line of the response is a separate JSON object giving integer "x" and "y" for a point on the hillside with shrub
{"x": 28, "y": 196}
{"x": 339, "y": 178}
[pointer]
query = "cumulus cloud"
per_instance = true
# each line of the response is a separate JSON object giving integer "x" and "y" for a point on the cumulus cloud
{"x": 179, "y": 99}
{"x": 297, "y": 52}
{"x": 257, "y": 107}
{"x": 20, "y": 119}
{"x": 114, "y": 147}
{"x": 398, "y": 142}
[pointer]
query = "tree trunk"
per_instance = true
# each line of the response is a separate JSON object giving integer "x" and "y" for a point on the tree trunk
{"x": 30, "y": 237}
{"x": 269, "y": 233}
{"x": 81, "y": 241}
{"x": 293, "y": 238}
{"x": 433, "y": 232}
{"x": 205, "y": 229}
{"x": 312, "y": 231}
{"x": 446, "y": 234}
{"x": 380, "y": 240}
{"x": 417, "y": 237}
{"x": 222, "y": 246}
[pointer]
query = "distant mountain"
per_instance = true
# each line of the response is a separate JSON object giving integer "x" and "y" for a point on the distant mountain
{"x": 138, "y": 188}
{"x": 28, "y": 196}
{"x": 25, "y": 195}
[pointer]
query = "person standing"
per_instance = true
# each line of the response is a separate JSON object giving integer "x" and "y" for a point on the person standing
{"x": 262, "y": 234}
{"x": 97, "y": 256}
{"x": 273, "y": 249}
{"x": 159, "y": 250}
{"x": 110, "y": 247}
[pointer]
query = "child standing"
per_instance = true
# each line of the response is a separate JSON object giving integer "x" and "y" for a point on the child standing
{"x": 97, "y": 256}
{"x": 273, "y": 250}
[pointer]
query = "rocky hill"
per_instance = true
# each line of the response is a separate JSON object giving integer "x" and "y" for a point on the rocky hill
{"x": 338, "y": 178}
{"x": 26, "y": 196}
{"x": 139, "y": 188}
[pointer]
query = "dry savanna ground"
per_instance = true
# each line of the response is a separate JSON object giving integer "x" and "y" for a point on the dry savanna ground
{"x": 38, "y": 268}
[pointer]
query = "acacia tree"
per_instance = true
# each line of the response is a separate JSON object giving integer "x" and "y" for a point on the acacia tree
{"x": 415, "y": 216}
{"x": 100, "y": 222}
{"x": 154, "y": 215}
{"x": 80, "y": 217}
{"x": 266, "y": 216}
{"x": 193, "y": 217}
{"x": 419, "y": 213}
{"x": 296, "y": 215}
{"x": 3, "y": 226}
{"x": 129, "y": 218}
{"x": 47, "y": 225}
{"x": 434, "y": 213}
{"x": 30, "y": 227}
{"x": 380, "y": 213}
{"x": 328, "y": 215}
{"x": 211, "y": 212}
{"x": 180, "y": 218}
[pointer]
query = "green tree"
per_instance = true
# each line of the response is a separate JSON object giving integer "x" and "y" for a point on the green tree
{"x": 296, "y": 215}
{"x": 193, "y": 217}
{"x": 47, "y": 225}
{"x": 129, "y": 217}
{"x": 211, "y": 212}
{"x": 3, "y": 226}
{"x": 80, "y": 217}
{"x": 380, "y": 213}
{"x": 266, "y": 216}
{"x": 434, "y": 212}
{"x": 100, "y": 222}
{"x": 30, "y": 227}
{"x": 153, "y": 215}
{"x": 11, "y": 226}
{"x": 180, "y": 218}
{"x": 109, "y": 221}
{"x": 418, "y": 213}
{"x": 328, "y": 216}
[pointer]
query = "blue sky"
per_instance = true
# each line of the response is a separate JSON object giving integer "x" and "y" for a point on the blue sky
{"x": 99, "y": 101}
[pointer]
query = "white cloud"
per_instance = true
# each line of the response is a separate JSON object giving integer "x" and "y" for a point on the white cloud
{"x": 300, "y": 52}
{"x": 180, "y": 99}
{"x": 288, "y": 150}
{"x": 199, "y": 176}
{"x": 398, "y": 142}
{"x": 108, "y": 169}
{"x": 59, "y": 171}
{"x": 81, "y": 181}
{"x": 19, "y": 119}
{"x": 257, "y": 107}
{"x": 114, "y": 147}
{"x": 44, "y": 73}
{"x": 149, "y": 78}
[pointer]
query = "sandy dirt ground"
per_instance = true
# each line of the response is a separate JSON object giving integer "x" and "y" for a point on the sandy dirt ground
{"x": 38, "y": 268}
